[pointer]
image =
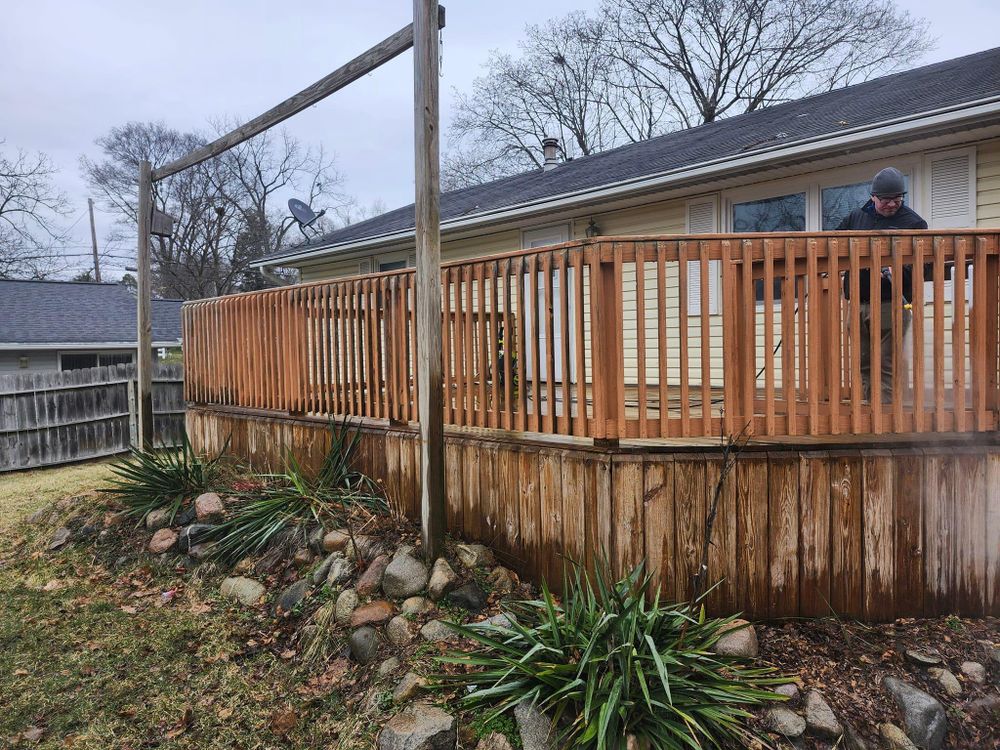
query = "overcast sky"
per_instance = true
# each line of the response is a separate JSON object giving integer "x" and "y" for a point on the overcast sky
{"x": 69, "y": 71}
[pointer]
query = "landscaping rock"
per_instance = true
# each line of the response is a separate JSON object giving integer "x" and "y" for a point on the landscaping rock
{"x": 852, "y": 740}
{"x": 494, "y": 741}
{"x": 158, "y": 519}
{"x": 200, "y": 552}
{"x": 186, "y": 515}
{"x": 535, "y": 728}
{"x": 437, "y": 631}
{"x": 60, "y": 538}
{"x": 417, "y": 605}
{"x": 375, "y": 613}
{"x": 290, "y": 598}
{"x": 405, "y": 550}
{"x": 923, "y": 658}
{"x": 400, "y": 631}
{"x": 923, "y": 716}
{"x": 443, "y": 579}
{"x": 208, "y": 508}
{"x": 388, "y": 666}
{"x": 41, "y": 515}
{"x": 371, "y": 580}
{"x": 364, "y": 644}
{"x": 790, "y": 690}
{"x": 989, "y": 705}
{"x": 992, "y": 650}
{"x": 475, "y": 556}
{"x": 820, "y": 717}
{"x": 419, "y": 727}
{"x": 341, "y": 569}
{"x": 740, "y": 639}
{"x": 322, "y": 570}
{"x": 948, "y": 682}
{"x": 314, "y": 539}
{"x": 404, "y": 576}
{"x": 786, "y": 722}
{"x": 163, "y": 540}
{"x": 243, "y": 566}
{"x": 409, "y": 687}
{"x": 501, "y": 580}
{"x": 502, "y": 620}
{"x": 895, "y": 738}
{"x": 244, "y": 590}
{"x": 303, "y": 557}
{"x": 363, "y": 547}
{"x": 336, "y": 541}
{"x": 468, "y": 596}
{"x": 191, "y": 535}
{"x": 347, "y": 602}
{"x": 974, "y": 671}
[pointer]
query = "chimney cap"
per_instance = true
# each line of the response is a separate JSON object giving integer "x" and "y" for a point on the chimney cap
{"x": 550, "y": 150}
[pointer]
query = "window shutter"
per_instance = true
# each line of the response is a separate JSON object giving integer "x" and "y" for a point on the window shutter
{"x": 952, "y": 201}
{"x": 703, "y": 218}
{"x": 365, "y": 266}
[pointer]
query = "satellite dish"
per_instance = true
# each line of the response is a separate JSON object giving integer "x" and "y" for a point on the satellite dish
{"x": 304, "y": 216}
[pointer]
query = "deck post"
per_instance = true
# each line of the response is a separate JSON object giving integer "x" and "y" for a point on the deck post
{"x": 144, "y": 321}
{"x": 428, "y": 298}
{"x": 607, "y": 332}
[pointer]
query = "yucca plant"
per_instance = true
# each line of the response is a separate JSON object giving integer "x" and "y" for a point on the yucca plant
{"x": 163, "y": 477}
{"x": 294, "y": 498}
{"x": 607, "y": 666}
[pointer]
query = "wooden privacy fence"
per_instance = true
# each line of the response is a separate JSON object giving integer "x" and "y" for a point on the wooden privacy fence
{"x": 636, "y": 337}
{"x": 56, "y": 417}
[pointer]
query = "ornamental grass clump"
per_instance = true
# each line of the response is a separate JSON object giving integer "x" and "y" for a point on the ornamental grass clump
{"x": 149, "y": 480}
{"x": 294, "y": 498}
{"x": 606, "y": 666}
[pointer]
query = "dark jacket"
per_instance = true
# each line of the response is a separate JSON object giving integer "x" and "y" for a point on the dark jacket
{"x": 867, "y": 218}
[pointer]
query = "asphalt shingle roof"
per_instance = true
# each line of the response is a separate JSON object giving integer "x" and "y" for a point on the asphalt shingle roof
{"x": 71, "y": 312}
{"x": 949, "y": 83}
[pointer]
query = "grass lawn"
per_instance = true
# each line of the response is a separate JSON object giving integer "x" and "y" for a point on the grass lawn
{"x": 103, "y": 647}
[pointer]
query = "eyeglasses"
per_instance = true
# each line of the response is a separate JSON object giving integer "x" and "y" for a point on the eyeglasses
{"x": 889, "y": 198}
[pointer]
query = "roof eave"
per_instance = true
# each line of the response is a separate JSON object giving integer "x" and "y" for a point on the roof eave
{"x": 970, "y": 111}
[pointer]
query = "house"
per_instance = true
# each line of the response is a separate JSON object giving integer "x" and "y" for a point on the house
{"x": 69, "y": 325}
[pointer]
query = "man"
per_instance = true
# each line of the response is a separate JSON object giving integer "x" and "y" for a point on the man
{"x": 884, "y": 210}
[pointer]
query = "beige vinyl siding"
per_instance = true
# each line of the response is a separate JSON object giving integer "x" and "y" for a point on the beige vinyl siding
{"x": 988, "y": 184}
{"x": 38, "y": 361}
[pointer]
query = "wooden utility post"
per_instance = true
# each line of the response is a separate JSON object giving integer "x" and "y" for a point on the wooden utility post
{"x": 428, "y": 297}
{"x": 144, "y": 345}
{"x": 93, "y": 240}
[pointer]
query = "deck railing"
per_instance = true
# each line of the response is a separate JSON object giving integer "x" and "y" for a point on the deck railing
{"x": 635, "y": 337}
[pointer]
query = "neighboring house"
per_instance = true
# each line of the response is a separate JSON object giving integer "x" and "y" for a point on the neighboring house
{"x": 796, "y": 166}
{"x": 69, "y": 325}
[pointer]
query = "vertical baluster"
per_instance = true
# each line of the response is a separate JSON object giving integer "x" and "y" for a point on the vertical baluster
{"x": 898, "y": 361}
{"x": 980, "y": 306}
{"x": 788, "y": 339}
{"x": 811, "y": 311}
{"x": 958, "y": 333}
{"x": 509, "y": 338}
{"x": 640, "y": 319}
{"x": 875, "y": 328}
{"x": 747, "y": 331}
{"x": 580, "y": 344}
{"x": 662, "y": 371}
{"x": 917, "y": 322}
{"x": 494, "y": 342}
{"x": 685, "y": 333}
{"x": 566, "y": 419}
{"x": 704, "y": 310}
{"x": 520, "y": 281}
{"x": 481, "y": 342}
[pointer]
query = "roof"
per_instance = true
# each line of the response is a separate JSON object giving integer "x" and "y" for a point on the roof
{"x": 78, "y": 312}
{"x": 941, "y": 85}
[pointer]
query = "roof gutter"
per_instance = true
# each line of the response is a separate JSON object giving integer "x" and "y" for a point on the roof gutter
{"x": 13, "y": 345}
{"x": 969, "y": 111}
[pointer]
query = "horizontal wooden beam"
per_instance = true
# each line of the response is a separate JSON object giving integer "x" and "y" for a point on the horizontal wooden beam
{"x": 361, "y": 65}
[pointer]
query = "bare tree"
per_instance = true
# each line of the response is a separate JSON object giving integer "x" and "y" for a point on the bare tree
{"x": 30, "y": 210}
{"x": 226, "y": 210}
{"x": 352, "y": 211}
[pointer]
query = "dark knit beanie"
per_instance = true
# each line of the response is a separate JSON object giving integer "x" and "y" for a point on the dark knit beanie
{"x": 888, "y": 182}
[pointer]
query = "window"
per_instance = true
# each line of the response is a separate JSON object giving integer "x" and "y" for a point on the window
{"x": 391, "y": 265}
{"x": 85, "y": 360}
{"x": 782, "y": 213}
{"x": 23, "y": 362}
{"x": 839, "y": 200}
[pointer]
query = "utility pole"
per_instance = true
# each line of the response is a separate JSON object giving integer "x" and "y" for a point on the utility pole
{"x": 427, "y": 231}
{"x": 93, "y": 240}
{"x": 144, "y": 344}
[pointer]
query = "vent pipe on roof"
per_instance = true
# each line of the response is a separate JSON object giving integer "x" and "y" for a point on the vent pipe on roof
{"x": 550, "y": 150}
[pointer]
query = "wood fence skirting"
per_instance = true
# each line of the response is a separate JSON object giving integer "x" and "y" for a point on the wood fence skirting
{"x": 49, "y": 418}
{"x": 872, "y": 534}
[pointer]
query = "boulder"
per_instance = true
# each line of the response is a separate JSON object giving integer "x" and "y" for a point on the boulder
{"x": 438, "y": 631}
{"x": 502, "y": 620}
{"x": 786, "y": 722}
{"x": 191, "y": 535}
{"x": 494, "y": 741}
{"x": 475, "y": 556}
{"x": 924, "y": 717}
{"x": 404, "y": 576}
{"x": 738, "y": 639}
{"x": 244, "y": 590}
{"x": 323, "y": 570}
{"x": 535, "y": 728}
{"x": 417, "y": 605}
{"x": 314, "y": 538}
{"x": 922, "y": 658}
{"x": 895, "y": 738}
{"x": 370, "y": 581}
{"x": 409, "y": 687}
{"x": 820, "y": 717}
{"x": 419, "y": 727}
{"x": 400, "y": 631}
{"x": 364, "y": 644}
{"x": 501, "y": 580}
{"x": 303, "y": 556}
{"x": 163, "y": 540}
{"x": 388, "y": 666}
{"x": 469, "y": 596}
{"x": 790, "y": 690}
{"x": 208, "y": 508}
{"x": 292, "y": 595}
{"x": 375, "y": 613}
{"x": 336, "y": 541}
{"x": 186, "y": 515}
{"x": 992, "y": 650}
{"x": 363, "y": 547}
{"x": 340, "y": 571}
{"x": 158, "y": 519}
{"x": 974, "y": 671}
{"x": 948, "y": 682}
{"x": 443, "y": 579}
{"x": 347, "y": 602}
{"x": 60, "y": 538}
{"x": 200, "y": 552}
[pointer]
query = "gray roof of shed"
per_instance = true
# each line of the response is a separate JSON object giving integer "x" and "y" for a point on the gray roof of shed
{"x": 945, "y": 84}
{"x": 76, "y": 312}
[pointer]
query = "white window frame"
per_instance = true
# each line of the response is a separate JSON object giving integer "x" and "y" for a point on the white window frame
{"x": 550, "y": 234}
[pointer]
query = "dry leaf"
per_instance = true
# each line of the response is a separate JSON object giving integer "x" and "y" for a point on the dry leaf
{"x": 283, "y": 721}
{"x": 287, "y": 654}
{"x": 225, "y": 713}
{"x": 33, "y": 734}
{"x": 21, "y": 672}
{"x": 128, "y": 610}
